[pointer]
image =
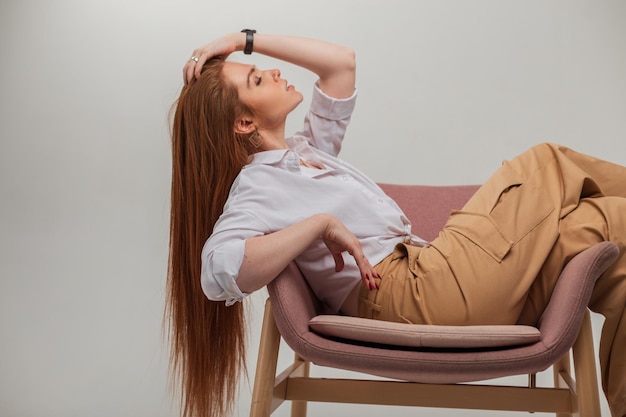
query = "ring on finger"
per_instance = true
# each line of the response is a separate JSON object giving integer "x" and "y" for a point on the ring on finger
{"x": 194, "y": 58}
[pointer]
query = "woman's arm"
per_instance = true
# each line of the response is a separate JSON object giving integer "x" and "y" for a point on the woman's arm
{"x": 266, "y": 256}
{"x": 334, "y": 64}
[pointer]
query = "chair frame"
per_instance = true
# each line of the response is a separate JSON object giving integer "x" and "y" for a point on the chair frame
{"x": 569, "y": 397}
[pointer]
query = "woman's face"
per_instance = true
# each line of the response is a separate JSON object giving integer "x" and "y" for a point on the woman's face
{"x": 270, "y": 97}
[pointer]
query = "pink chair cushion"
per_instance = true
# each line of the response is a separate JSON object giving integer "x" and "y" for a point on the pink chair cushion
{"x": 420, "y": 335}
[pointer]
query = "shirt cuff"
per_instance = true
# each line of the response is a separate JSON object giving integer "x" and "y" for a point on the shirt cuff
{"x": 332, "y": 108}
{"x": 219, "y": 273}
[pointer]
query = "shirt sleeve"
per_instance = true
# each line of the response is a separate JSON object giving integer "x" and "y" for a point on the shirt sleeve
{"x": 219, "y": 268}
{"x": 326, "y": 121}
{"x": 223, "y": 252}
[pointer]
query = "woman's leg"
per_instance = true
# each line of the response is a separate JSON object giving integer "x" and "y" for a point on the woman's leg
{"x": 580, "y": 176}
{"x": 608, "y": 176}
{"x": 592, "y": 195}
{"x": 494, "y": 248}
{"x": 481, "y": 267}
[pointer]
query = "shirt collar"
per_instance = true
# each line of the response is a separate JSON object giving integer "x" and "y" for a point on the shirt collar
{"x": 268, "y": 157}
{"x": 284, "y": 158}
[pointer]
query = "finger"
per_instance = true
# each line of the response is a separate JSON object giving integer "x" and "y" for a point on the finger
{"x": 374, "y": 280}
{"x": 188, "y": 70}
{"x": 368, "y": 273}
{"x": 369, "y": 283}
{"x": 375, "y": 284}
{"x": 190, "y": 66}
{"x": 338, "y": 261}
{"x": 202, "y": 58}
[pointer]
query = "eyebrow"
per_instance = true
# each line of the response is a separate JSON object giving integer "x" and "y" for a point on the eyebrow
{"x": 249, "y": 75}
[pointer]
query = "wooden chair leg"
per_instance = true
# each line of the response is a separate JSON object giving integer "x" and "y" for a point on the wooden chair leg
{"x": 585, "y": 371}
{"x": 298, "y": 408}
{"x": 267, "y": 361}
{"x": 563, "y": 377}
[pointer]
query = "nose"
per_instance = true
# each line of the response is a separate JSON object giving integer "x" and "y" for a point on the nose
{"x": 276, "y": 74}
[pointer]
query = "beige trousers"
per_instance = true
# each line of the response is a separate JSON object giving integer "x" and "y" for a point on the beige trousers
{"x": 497, "y": 260}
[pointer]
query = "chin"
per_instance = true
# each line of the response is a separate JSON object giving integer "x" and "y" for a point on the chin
{"x": 297, "y": 102}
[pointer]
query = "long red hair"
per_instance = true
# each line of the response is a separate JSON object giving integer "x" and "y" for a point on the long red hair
{"x": 207, "y": 339}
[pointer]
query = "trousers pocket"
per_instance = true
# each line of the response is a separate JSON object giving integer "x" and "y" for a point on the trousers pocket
{"x": 482, "y": 231}
{"x": 521, "y": 209}
{"x": 518, "y": 210}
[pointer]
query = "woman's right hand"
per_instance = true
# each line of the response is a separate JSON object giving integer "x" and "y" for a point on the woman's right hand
{"x": 222, "y": 46}
{"x": 339, "y": 239}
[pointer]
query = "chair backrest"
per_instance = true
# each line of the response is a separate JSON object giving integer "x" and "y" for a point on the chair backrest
{"x": 427, "y": 206}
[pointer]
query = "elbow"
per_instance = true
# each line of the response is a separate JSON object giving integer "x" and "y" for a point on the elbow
{"x": 342, "y": 59}
{"x": 339, "y": 82}
{"x": 349, "y": 59}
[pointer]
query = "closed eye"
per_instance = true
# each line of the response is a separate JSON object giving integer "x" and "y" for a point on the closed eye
{"x": 257, "y": 80}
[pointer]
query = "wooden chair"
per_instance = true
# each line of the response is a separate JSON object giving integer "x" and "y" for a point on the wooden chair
{"x": 432, "y": 377}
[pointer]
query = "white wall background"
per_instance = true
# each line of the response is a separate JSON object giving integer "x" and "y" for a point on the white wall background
{"x": 447, "y": 90}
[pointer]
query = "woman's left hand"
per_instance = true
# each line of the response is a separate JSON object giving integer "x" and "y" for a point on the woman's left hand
{"x": 222, "y": 46}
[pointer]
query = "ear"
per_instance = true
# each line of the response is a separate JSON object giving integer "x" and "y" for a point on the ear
{"x": 244, "y": 125}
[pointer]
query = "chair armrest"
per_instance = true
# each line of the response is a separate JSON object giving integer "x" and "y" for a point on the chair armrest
{"x": 573, "y": 291}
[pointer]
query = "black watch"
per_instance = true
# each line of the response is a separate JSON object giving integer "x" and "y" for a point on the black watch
{"x": 249, "y": 40}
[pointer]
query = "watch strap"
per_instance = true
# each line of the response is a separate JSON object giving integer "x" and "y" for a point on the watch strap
{"x": 249, "y": 40}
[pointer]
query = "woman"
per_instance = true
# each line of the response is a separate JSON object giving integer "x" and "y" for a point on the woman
{"x": 246, "y": 201}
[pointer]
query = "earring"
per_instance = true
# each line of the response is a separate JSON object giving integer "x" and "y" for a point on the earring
{"x": 255, "y": 139}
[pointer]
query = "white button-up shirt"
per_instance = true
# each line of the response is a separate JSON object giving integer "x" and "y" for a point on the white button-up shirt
{"x": 275, "y": 191}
